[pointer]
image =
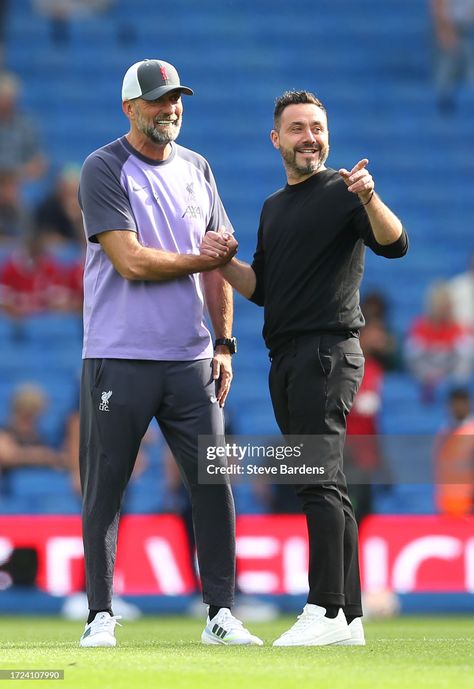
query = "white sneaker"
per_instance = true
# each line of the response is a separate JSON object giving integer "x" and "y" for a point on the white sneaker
{"x": 357, "y": 634}
{"x": 100, "y": 632}
{"x": 226, "y": 629}
{"x": 313, "y": 629}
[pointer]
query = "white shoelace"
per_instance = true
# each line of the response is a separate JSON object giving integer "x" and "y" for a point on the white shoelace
{"x": 231, "y": 622}
{"x": 107, "y": 622}
{"x": 303, "y": 622}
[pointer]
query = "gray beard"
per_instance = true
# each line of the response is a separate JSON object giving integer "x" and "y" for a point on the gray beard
{"x": 163, "y": 138}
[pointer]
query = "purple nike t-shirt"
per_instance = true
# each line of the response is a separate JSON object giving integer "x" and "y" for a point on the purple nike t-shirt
{"x": 170, "y": 205}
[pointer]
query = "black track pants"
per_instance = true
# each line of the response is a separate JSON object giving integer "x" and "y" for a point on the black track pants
{"x": 119, "y": 398}
{"x": 313, "y": 382}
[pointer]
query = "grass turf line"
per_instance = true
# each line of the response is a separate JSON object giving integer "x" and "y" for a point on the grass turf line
{"x": 165, "y": 653}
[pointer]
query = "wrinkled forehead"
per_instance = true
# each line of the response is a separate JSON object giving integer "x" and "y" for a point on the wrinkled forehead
{"x": 303, "y": 112}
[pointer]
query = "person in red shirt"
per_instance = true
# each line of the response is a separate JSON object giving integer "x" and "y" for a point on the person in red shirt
{"x": 32, "y": 281}
{"x": 438, "y": 347}
{"x": 362, "y": 456}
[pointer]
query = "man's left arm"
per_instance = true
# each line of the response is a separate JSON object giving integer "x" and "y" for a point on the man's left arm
{"x": 220, "y": 305}
{"x": 386, "y": 227}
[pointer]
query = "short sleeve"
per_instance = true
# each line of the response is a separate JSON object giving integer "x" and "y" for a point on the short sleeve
{"x": 103, "y": 200}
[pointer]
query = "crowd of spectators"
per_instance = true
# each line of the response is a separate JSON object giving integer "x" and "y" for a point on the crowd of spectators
{"x": 34, "y": 277}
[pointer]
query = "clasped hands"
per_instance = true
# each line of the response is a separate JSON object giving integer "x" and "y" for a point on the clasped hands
{"x": 220, "y": 245}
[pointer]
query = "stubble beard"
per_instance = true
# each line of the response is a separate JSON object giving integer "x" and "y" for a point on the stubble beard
{"x": 310, "y": 166}
{"x": 160, "y": 136}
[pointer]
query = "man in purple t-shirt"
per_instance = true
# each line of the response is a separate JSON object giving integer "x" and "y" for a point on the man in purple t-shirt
{"x": 147, "y": 204}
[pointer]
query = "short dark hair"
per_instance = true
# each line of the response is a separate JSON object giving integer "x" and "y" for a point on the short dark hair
{"x": 459, "y": 393}
{"x": 293, "y": 98}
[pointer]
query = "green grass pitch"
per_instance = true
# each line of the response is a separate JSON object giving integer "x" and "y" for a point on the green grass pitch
{"x": 165, "y": 653}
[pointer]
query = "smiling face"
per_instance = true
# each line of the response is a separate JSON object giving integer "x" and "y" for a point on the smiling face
{"x": 154, "y": 123}
{"x": 302, "y": 138}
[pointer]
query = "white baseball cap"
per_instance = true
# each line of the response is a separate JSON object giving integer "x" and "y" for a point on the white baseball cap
{"x": 151, "y": 79}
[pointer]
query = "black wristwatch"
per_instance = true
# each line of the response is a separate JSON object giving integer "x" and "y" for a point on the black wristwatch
{"x": 229, "y": 342}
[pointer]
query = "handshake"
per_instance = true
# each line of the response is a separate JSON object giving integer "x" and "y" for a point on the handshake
{"x": 220, "y": 246}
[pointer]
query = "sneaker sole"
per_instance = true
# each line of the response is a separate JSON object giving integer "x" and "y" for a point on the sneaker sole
{"x": 329, "y": 639}
{"x": 98, "y": 643}
{"x": 350, "y": 642}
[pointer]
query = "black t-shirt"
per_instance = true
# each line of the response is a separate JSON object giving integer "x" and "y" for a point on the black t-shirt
{"x": 309, "y": 259}
{"x": 51, "y": 217}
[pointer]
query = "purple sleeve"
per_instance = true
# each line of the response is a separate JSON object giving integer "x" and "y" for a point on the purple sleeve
{"x": 103, "y": 200}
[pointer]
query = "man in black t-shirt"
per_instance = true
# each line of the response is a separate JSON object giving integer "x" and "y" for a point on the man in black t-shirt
{"x": 306, "y": 273}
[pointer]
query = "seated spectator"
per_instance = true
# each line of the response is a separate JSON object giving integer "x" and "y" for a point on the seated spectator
{"x": 454, "y": 457}
{"x": 32, "y": 281}
{"x": 378, "y": 337}
{"x": 454, "y": 37}
{"x": 21, "y": 442}
{"x": 61, "y": 12}
{"x": 73, "y": 282}
{"x": 15, "y": 219}
{"x": 461, "y": 289}
{"x": 58, "y": 217}
{"x": 19, "y": 149}
{"x": 363, "y": 453}
{"x": 3, "y": 29}
{"x": 438, "y": 348}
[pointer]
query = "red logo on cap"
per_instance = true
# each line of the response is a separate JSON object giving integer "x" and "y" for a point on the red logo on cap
{"x": 164, "y": 73}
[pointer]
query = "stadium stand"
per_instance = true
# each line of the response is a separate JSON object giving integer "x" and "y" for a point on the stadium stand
{"x": 368, "y": 61}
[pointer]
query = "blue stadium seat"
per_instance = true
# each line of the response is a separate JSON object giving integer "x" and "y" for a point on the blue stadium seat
{"x": 370, "y": 63}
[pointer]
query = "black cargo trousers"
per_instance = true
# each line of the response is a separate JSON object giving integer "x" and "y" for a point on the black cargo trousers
{"x": 313, "y": 381}
{"x": 119, "y": 398}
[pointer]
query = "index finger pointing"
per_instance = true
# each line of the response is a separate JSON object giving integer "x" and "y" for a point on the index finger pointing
{"x": 361, "y": 164}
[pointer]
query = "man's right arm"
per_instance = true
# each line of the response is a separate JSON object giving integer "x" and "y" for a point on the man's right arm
{"x": 136, "y": 262}
{"x": 240, "y": 275}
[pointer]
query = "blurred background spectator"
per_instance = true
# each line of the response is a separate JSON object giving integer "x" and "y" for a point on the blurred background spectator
{"x": 461, "y": 289}
{"x": 19, "y": 147}
{"x": 34, "y": 281}
{"x": 380, "y": 342}
{"x": 15, "y": 218}
{"x": 437, "y": 346}
{"x": 454, "y": 39}
{"x": 3, "y": 30}
{"x": 58, "y": 216}
{"x": 21, "y": 441}
{"x": 61, "y": 12}
{"x": 454, "y": 457}
{"x": 363, "y": 457}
